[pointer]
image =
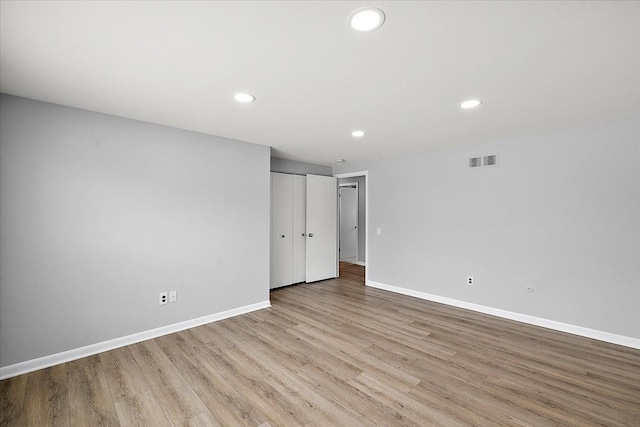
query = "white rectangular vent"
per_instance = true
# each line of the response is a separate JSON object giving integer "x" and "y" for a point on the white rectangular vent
{"x": 491, "y": 160}
{"x": 483, "y": 161}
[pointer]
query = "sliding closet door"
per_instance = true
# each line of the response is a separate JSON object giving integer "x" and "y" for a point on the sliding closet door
{"x": 322, "y": 215}
{"x": 281, "y": 232}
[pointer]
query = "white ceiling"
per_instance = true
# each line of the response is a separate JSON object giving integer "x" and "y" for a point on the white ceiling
{"x": 537, "y": 66}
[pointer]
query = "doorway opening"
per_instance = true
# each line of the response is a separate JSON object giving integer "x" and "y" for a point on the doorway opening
{"x": 348, "y": 208}
{"x": 352, "y": 226}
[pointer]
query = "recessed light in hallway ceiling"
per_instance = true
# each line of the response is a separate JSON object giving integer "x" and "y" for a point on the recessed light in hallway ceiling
{"x": 366, "y": 19}
{"x": 470, "y": 103}
{"x": 244, "y": 97}
{"x": 358, "y": 133}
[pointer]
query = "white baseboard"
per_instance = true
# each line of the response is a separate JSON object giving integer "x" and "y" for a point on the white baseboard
{"x": 524, "y": 318}
{"x": 79, "y": 353}
{"x": 362, "y": 263}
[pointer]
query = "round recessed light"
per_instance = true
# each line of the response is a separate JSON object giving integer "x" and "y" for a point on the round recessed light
{"x": 244, "y": 97}
{"x": 338, "y": 161}
{"x": 470, "y": 103}
{"x": 358, "y": 133}
{"x": 366, "y": 19}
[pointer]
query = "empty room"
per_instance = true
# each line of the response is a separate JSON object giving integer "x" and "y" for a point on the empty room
{"x": 319, "y": 213}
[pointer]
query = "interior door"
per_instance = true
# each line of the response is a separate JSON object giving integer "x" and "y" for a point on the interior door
{"x": 322, "y": 230}
{"x": 281, "y": 231}
{"x": 349, "y": 224}
{"x": 299, "y": 228}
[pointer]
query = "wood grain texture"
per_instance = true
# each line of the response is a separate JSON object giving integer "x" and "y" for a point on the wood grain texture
{"x": 90, "y": 401}
{"x": 351, "y": 273}
{"x": 202, "y": 420}
{"x": 337, "y": 353}
{"x": 47, "y": 397}
{"x": 141, "y": 410}
{"x": 123, "y": 375}
{"x": 12, "y": 395}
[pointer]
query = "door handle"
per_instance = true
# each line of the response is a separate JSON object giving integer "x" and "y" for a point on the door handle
{"x": 310, "y": 234}
{"x": 282, "y": 236}
{"x": 303, "y": 234}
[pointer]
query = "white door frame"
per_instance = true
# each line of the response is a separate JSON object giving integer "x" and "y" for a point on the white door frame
{"x": 350, "y": 184}
{"x": 366, "y": 217}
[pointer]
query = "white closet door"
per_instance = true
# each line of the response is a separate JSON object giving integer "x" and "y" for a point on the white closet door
{"x": 322, "y": 234}
{"x": 281, "y": 232}
{"x": 299, "y": 228}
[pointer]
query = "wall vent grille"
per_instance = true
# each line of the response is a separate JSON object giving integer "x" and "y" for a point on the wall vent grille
{"x": 483, "y": 161}
{"x": 490, "y": 160}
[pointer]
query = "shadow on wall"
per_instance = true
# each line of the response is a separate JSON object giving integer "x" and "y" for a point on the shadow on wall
{"x": 299, "y": 168}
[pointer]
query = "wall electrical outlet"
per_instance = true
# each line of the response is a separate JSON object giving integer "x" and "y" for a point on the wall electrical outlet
{"x": 470, "y": 280}
{"x": 529, "y": 289}
{"x": 164, "y": 298}
{"x": 173, "y": 296}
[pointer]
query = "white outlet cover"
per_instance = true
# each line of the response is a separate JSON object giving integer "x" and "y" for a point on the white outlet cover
{"x": 529, "y": 289}
{"x": 379, "y": 231}
{"x": 164, "y": 298}
{"x": 173, "y": 296}
{"x": 470, "y": 280}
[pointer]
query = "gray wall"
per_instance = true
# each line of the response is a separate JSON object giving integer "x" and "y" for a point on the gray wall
{"x": 560, "y": 213}
{"x": 362, "y": 220}
{"x": 299, "y": 168}
{"x": 99, "y": 214}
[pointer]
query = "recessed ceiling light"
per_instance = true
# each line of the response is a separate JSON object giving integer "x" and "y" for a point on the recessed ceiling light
{"x": 340, "y": 161}
{"x": 358, "y": 133}
{"x": 366, "y": 19}
{"x": 470, "y": 103}
{"x": 244, "y": 97}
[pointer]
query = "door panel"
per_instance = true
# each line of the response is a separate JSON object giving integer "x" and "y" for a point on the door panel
{"x": 281, "y": 238}
{"x": 349, "y": 223}
{"x": 299, "y": 228}
{"x": 322, "y": 213}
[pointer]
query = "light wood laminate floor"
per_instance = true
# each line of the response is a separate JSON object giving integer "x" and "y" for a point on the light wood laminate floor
{"x": 337, "y": 353}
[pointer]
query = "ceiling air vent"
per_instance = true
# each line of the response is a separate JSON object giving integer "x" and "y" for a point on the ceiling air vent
{"x": 483, "y": 161}
{"x": 475, "y": 162}
{"x": 490, "y": 160}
